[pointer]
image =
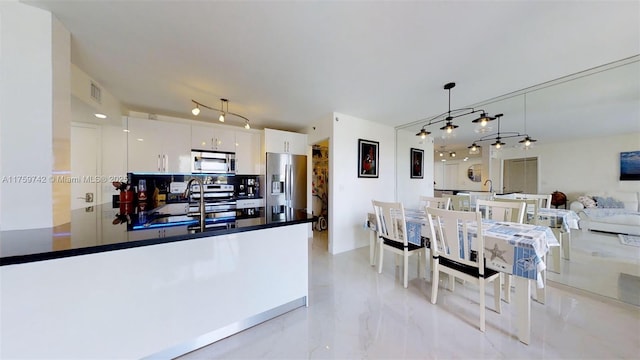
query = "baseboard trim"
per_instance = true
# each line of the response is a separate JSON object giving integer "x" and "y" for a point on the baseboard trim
{"x": 231, "y": 329}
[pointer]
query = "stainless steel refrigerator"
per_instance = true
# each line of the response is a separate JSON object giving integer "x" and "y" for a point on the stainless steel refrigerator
{"x": 286, "y": 188}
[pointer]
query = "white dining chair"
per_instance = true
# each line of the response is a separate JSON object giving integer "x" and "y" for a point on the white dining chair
{"x": 391, "y": 226}
{"x": 452, "y": 254}
{"x": 544, "y": 200}
{"x": 512, "y": 210}
{"x": 478, "y": 195}
{"x": 437, "y": 202}
{"x": 460, "y": 202}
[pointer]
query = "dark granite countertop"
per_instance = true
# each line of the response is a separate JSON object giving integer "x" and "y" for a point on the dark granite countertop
{"x": 102, "y": 228}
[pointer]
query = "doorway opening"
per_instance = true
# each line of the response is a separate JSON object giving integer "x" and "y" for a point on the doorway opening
{"x": 320, "y": 186}
{"x": 520, "y": 176}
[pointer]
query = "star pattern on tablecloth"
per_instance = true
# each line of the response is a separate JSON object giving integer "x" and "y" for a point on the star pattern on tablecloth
{"x": 496, "y": 253}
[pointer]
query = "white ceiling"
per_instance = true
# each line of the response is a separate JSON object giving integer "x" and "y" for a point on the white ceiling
{"x": 285, "y": 64}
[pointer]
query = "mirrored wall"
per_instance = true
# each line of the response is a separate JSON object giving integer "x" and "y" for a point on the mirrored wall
{"x": 582, "y": 122}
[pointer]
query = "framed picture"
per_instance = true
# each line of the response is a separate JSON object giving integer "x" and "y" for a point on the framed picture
{"x": 368, "y": 152}
{"x": 630, "y": 165}
{"x": 417, "y": 164}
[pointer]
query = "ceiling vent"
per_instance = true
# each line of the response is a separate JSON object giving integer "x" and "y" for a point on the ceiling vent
{"x": 96, "y": 93}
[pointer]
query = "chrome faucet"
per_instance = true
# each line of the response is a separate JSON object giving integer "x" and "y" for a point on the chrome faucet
{"x": 490, "y": 184}
{"x": 201, "y": 207}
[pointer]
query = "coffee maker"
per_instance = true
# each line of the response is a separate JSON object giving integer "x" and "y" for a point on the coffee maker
{"x": 248, "y": 186}
{"x": 252, "y": 187}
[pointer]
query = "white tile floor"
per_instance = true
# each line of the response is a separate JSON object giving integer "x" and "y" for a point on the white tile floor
{"x": 602, "y": 265}
{"x": 356, "y": 313}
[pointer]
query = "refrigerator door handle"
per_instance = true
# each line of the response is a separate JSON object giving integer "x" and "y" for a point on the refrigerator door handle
{"x": 288, "y": 180}
{"x": 290, "y": 185}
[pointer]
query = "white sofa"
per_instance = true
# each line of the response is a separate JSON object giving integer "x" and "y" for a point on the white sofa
{"x": 617, "y": 212}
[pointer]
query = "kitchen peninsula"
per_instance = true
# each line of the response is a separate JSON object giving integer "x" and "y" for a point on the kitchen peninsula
{"x": 157, "y": 296}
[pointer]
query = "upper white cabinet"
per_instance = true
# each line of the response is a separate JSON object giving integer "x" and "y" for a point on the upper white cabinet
{"x": 248, "y": 153}
{"x": 212, "y": 138}
{"x": 158, "y": 146}
{"x": 279, "y": 141}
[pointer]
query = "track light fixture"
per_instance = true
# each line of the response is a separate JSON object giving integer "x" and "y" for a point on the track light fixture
{"x": 452, "y": 114}
{"x": 224, "y": 111}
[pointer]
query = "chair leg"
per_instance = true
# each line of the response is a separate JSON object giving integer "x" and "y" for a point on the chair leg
{"x": 406, "y": 269}
{"x": 566, "y": 245}
{"x": 380, "y": 256}
{"x": 435, "y": 279}
{"x": 452, "y": 282}
{"x": 482, "y": 305}
{"x": 497, "y": 286}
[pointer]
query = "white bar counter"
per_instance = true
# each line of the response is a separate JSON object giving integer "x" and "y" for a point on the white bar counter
{"x": 157, "y": 300}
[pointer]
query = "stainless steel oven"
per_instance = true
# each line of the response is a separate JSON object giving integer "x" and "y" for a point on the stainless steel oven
{"x": 211, "y": 162}
{"x": 219, "y": 201}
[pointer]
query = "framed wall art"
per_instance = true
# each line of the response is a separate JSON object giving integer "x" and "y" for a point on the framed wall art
{"x": 417, "y": 163}
{"x": 630, "y": 165}
{"x": 368, "y": 152}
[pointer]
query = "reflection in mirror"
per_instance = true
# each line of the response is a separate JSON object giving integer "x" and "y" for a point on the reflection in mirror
{"x": 556, "y": 113}
{"x": 475, "y": 172}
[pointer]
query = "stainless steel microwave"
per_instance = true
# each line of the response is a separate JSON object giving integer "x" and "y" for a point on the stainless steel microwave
{"x": 213, "y": 162}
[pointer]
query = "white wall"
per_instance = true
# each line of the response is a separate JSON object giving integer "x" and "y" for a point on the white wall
{"x": 579, "y": 166}
{"x": 26, "y": 114}
{"x": 349, "y": 196}
{"x": 110, "y": 106}
{"x": 462, "y": 182}
{"x": 409, "y": 190}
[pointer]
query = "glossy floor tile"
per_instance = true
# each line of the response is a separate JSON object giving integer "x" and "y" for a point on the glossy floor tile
{"x": 602, "y": 265}
{"x": 356, "y": 313}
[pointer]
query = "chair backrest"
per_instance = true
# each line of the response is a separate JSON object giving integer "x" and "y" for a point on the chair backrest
{"x": 530, "y": 210}
{"x": 390, "y": 221}
{"x": 512, "y": 211}
{"x": 453, "y": 236}
{"x": 544, "y": 200}
{"x": 436, "y": 202}
{"x": 459, "y": 202}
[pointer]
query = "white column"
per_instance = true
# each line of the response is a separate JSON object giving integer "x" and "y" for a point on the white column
{"x": 26, "y": 116}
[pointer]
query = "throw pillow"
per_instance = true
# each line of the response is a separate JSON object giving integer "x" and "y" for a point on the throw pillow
{"x": 587, "y": 201}
{"x": 608, "y": 202}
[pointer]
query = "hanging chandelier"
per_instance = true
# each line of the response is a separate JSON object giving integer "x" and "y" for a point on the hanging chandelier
{"x": 223, "y": 112}
{"x": 451, "y": 114}
{"x": 498, "y": 137}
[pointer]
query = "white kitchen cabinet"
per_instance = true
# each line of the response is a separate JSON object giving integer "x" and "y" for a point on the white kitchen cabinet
{"x": 212, "y": 138}
{"x": 249, "y": 153}
{"x": 159, "y": 233}
{"x": 158, "y": 146}
{"x": 279, "y": 141}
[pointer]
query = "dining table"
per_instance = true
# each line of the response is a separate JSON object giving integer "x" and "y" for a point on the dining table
{"x": 561, "y": 221}
{"x": 511, "y": 248}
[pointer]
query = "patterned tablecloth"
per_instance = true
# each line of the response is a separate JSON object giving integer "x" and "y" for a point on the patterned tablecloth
{"x": 557, "y": 218}
{"x": 512, "y": 248}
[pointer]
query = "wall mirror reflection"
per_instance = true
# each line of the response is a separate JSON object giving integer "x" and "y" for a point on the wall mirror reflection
{"x": 556, "y": 114}
{"x": 474, "y": 172}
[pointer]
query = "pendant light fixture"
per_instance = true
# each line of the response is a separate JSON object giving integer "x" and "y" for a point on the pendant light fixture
{"x": 527, "y": 141}
{"x": 498, "y": 137}
{"x": 222, "y": 102}
{"x": 451, "y": 114}
{"x": 224, "y": 111}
